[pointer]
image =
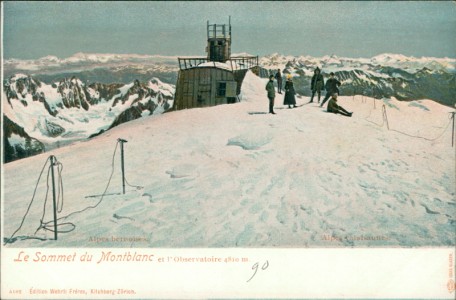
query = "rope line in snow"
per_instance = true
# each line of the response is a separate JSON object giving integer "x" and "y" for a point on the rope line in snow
{"x": 424, "y": 138}
{"x": 379, "y": 125}
{"x": 385, "y": 120}
{"x": 60, "y": 187}
{"x": 49, "y": 225}
{"x": 45, "y": 201}
{"x": 104, "y": 193}
{"x": 30, "y": 204}
{"x": 138, "y": 187}
{"x": 59, "y": 202}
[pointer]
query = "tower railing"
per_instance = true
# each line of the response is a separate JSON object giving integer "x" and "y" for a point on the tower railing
{"x": 235, "y": 63}
{"x": 218, "y": 31}
{"x": 244, "y": 62}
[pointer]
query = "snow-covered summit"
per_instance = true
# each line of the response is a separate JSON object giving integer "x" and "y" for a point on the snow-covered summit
{"x": 18, "y": 76}
{"x": 158, "y": 86}
{"x": 234, "y": 176}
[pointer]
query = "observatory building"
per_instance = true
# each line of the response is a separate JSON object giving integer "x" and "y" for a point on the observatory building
{"x": 214, "y": 79}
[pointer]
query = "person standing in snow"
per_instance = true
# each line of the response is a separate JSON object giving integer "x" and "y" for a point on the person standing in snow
{"x": 316, "y": 84}
{"x": 289, "y": 98}
{"x": 278, "y": 77}
{"x": 333, "y": 107}
{"x": 271, "y": 93}
{"x": 331, "y": 87}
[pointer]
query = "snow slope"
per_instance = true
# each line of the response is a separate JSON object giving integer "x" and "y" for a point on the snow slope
{"x": 235, "y": 176}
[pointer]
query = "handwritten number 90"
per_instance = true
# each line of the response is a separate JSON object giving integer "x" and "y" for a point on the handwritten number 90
{"x": 255, "y": 267}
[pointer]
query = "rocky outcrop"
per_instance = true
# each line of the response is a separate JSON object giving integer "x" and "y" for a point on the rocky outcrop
{"x": 69, "y": 103}
{"x": 104, "y": 91}
{"x": 130, "y": 114}
{"x": 19, "y": 86}
{"x": 73, "y": 93}
{"x": 17, "y": 143}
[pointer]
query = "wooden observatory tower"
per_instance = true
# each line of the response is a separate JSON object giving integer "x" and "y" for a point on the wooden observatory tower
{"x": 218, "y": 42}
{"x": 214, "y": 79}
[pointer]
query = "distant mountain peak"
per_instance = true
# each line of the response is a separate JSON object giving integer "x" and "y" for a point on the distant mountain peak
{"x": 69, "y": 109}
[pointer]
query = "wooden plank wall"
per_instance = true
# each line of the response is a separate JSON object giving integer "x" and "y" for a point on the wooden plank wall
{"x": 203, "y": 81}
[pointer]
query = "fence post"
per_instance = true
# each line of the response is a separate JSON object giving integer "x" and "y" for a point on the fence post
{"x": 385, "y": 117}
{"x": 53, "y": 196}
{"x": 122, "y": 141}
{"x": 452, "y": 132}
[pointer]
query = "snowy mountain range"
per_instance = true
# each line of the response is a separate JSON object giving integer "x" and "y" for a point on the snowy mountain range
{"x": 235, "y": 176}
{"x": 49, "y": 102}
{"x": 40, "y": 116}
{"x": 386, "y": 75}
{"x": 95, "y": 67}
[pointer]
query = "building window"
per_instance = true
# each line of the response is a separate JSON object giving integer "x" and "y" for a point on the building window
{"x": 221, "y": 90}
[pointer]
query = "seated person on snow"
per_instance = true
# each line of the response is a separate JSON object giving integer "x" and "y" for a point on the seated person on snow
{"x": 333, "y": 107}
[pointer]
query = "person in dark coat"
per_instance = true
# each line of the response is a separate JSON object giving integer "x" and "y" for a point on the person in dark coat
{"x": 271, "y": 93}
{"x": 289, "y": 98}
{"x": 331, "y": 87}
{"x": 278, "y": 77}
{"x": 316, "y": 84}
{"x": 333, "y": 107}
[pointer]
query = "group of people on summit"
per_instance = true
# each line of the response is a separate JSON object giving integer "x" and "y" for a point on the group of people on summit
{"x": 317, "y": 84}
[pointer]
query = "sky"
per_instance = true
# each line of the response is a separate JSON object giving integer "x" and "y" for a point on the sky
{"x": 348, "y": 28}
